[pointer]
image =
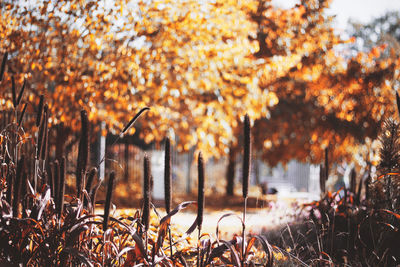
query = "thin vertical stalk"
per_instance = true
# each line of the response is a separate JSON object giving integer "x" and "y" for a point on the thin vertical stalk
{"x": 18, "y": 185}
{"x": 15, "y": 135}
{"x": 246, "y": 175}
{"x": 48, "y": 175}
{"x": 21, "y": 92}
{"x": 89, "y": 183}
{"x": 108, "y": 200}
{"x": 146, "y": 195}
{"x": 42, "y": 133}
{"x": 83, "y": 154}
{"x": 167, "y": 185}
{"x": 56, "y": 179}
{"x": 200, "y": 201}
{"x": 45, "y": 138}
{"x": 353, "y": 182}
{"x": 398, "y": 102}
{"x": 167, "y": 176}
{"x": 230, "y": 172}
{"x": 93, "y": 193}
{"x": 21, "y": 116}
{"x": 326, "y": 164}
{"x": 322, "y": 180}
{"x": 61, "y": 192}
{"x": 14, "y": 94}
{"x": 10, "y": 184}
{"x": 3, "y": 65}
{"x": 39, "y": 116}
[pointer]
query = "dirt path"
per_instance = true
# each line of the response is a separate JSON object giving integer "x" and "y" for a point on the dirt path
{"x": 257, "y": 221}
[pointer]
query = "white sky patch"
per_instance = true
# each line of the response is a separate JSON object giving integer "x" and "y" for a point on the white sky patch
{"x": 361, "y": 11}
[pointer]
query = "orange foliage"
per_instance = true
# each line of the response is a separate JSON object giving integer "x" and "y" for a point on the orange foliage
{"x": 200, "y": 66}
{"x": 325, "y": 99}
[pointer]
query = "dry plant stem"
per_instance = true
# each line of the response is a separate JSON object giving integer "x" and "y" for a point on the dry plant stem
{"x": 39, "y": 116}
{"x": 61, "y": 192}
{"x": 246, "y": 174}
{"x": 17, "y": 186}
{"x": 89, "y": 183}
{"x": 108, "y": 200}
{"x": 170, "y": 240}
{"x": 167, "y": 185}
{"x": 14, "y": 95}
{"x": 398, "y": 102}
{"x": 43, "y": 141}
{"x": 146, "y": 196}
{"x": 200, "y": 201}
{"x": 83, "y": 154}
{"x": 3, "y": 65}
{"x": 244, "y": 229}
{"x": 326, "y": 164}
{"x": 198, "y": 246}
{"x": 21, "y": 116}
{"x": 57, "y": 178}
{"x": 21, "y": 92}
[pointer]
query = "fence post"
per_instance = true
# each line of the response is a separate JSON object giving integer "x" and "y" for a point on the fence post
{"x": 126, "y": 156}
{"x": 189, "y": 165}
{"x": 102, "y": 150}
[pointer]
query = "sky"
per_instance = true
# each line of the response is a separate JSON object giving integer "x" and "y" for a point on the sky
{"x": 359, "y": 10}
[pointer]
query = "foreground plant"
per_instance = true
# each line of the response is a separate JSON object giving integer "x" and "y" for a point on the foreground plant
{"x": 40, "y": 225}
{"x": 246, "y": 174}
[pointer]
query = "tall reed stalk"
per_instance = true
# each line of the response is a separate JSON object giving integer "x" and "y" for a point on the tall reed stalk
{"x": 146, "y": 195}
{"x": 3, "y": 65}
{"x": 83, "y": 154}
{"x": 56, "y": 179}
{"x": 17, "y": 186}
{"x": 61, "y": 192}
{"x": 45, "y": 135}
{"x": 39, "y": 138}
{"x": 326, "y": 164}
{"x": 21, "y": 92}
{"x": 353, "y": 181}
{"x": 167, "y": 184}
{"x": 108, "y": 200}
{"x": 398, "y": 103}
{"x": 89, "y": 184}
{"x": 322, "y": 180}
{"x": 200, "y": 200}
{"x": 246, "y": 175}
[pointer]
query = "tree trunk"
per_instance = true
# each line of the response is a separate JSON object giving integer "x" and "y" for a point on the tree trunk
{"x": 230, "y": 173}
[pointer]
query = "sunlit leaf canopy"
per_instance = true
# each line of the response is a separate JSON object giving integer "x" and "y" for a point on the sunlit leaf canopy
{"x": 200, "y": 66}
{"x": 325, "y": 98}
{"x": 189, "y": 61}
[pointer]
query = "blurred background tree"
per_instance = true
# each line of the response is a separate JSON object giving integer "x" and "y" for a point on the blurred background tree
{"x": 383, "y": 30}
{"x": 190, "y": 62}
{"x": 325, "y": 98}
{"x": 201, "y": 66}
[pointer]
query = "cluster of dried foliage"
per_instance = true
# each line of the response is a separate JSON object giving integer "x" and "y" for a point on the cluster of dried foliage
{"x": 348, "y": 227}
{"x": 40, "y": 225}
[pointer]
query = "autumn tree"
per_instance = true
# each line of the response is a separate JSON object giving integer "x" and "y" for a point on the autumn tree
{"x": 200, "y": 66}
{"x": 325, "y": 99}
{"x": 198, "y": 62}
{"x": 383, "y": 30}
{"x": 190, "y": 62}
